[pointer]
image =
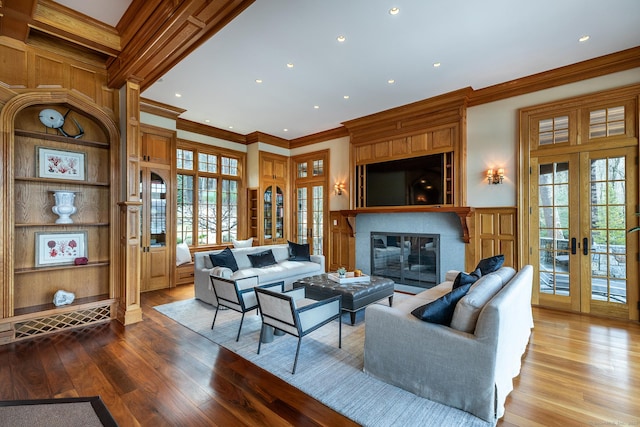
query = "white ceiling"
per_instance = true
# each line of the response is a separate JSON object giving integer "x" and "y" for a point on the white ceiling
{"x": 478, "y": 43}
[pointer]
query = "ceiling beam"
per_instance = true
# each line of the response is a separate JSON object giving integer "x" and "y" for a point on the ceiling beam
{"x": 166, "y": 31}
{"x": 15, "y": 17}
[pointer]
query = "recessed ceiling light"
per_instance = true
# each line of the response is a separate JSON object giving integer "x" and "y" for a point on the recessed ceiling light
{"x": 346, "y": 97}
{"x": 230, "y": 127}
{"x": 207, "y": 121}
{"x": 178, "y": 95}
{"x": 316, "y": 107}
{"x": 258, "y": 80}
{"x": 394, "y": 11}
{"x": 341, "y": 39}
{"x": 583, "y": 38}
{"x": 391, "y": 81}
{"x": 436, "y": 64}
{"x": 290, "y": 65}
{"x": 285, "y": 129}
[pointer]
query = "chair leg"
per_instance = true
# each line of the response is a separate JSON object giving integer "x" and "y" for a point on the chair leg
{"x": 295, "y": 362}
{"x": 214, "y": 316}
{"x": 340, "y": 332}
{"x": 240, "y": 327}
{"x": 260, "y": 339}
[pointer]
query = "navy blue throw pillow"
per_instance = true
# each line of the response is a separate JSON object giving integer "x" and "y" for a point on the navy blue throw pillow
{"x": 299, "y": 252}
{"x": 224, "y": 258}
{"x": 262, "y": 259}
{"x": 466, "y": 279}
{"x": 441, "y": 310}
{"x": 489, "y": 265}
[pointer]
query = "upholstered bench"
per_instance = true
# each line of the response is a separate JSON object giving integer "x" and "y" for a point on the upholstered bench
{"x": 355, "y": 296}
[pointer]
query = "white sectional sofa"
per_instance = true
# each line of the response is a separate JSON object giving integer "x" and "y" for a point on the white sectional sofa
{"x": 469, "y": 364}
{"x": 285, "y": 270}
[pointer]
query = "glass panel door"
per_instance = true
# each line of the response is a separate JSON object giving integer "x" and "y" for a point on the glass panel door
{"x": 584, "y": 207}
{"x": 609, "y": 265}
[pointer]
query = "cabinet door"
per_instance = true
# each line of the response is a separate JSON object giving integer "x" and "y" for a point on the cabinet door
{"x": 273, "y": 215}
{"x": 156, "y": 253}
{"x": 156, "y": 148}
{"x": 274, "y": 168}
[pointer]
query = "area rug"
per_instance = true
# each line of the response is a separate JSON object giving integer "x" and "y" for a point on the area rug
{"x": 330, "y": 374}
{"x": 65, "y": 412}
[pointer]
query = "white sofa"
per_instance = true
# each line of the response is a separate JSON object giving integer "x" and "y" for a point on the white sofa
{"x": 285, "y": 269}
{"x": 470, "y": 368}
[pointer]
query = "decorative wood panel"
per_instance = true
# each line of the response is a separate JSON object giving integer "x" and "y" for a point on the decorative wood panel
{"x": 495, "y": 233}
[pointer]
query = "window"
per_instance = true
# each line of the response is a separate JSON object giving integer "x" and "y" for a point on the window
{"x": 606, "y": 122}
{"x": 553, "y": 131}
{"x": 208, "y": 191}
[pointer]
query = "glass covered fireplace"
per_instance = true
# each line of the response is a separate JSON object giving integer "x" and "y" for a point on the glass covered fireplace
{"x": 408, "y": 259}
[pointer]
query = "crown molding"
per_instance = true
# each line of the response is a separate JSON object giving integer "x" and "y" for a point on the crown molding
{"x": 315, "y": 138}
{"x": 254, "y": 137}
{"x": 211, "y": 131}
{"x": 596, "y": 67}
{"x": 159, "y": 109}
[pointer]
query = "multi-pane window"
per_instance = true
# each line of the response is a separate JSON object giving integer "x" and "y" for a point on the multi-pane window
{"x": 553, "y": 131}
{"x": 208, "y": 197}
{"x": 606, "y": 122}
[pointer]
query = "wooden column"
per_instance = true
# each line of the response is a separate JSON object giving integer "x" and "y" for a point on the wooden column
{"x": 129, "y": 310}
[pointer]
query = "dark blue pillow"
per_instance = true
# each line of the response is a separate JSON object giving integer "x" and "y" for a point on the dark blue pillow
{"x": 262, "y": 259}
{"x": 224, "y": 258}
{"x": 441, "y": 310}
{"x": 489, "y": 265}
{"x": 299, "y": 252}
{"x": 466, "y": 279}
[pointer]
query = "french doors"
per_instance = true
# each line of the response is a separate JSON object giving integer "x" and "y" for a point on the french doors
{"x": 311, "y": 200}
{"x": 582, "y": 205}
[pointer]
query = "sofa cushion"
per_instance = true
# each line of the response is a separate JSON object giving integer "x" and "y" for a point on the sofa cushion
{"x": 466, "y": 279}
{"x": 298, "y": 252}
{"x": 441, "y": 310}
{"x": 489, "y": 265}
{"x": 224, "y": 258}
{"x": 262, "y": 259}
{"x": 468, "y": 308}
{"x": 223, "y": 272}
{"x": 242, "y": 243}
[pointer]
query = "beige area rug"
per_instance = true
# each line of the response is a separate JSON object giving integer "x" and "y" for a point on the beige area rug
{"x": 330, "y": 374}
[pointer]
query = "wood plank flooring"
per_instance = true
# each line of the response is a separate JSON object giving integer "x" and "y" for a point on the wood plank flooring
{"x": 578, "y": 371}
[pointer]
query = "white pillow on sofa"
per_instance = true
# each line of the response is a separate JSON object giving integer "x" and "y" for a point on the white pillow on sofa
{"x": 183, "y": 256}
{"x": 242, "y": 243}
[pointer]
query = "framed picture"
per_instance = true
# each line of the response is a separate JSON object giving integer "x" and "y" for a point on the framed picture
{"x": 60, "y": 247}
{"x": 60, "y": 164}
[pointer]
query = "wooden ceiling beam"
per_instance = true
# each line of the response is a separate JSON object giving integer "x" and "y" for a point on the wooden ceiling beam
{"x": 15, "y": 17}
{"x": 166, "y": 32}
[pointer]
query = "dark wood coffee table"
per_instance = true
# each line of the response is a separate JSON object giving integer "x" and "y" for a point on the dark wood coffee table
{"x": 355, "y": 296}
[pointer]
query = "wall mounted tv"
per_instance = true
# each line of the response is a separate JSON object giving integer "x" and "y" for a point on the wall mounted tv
{"x": 405, "y": 182}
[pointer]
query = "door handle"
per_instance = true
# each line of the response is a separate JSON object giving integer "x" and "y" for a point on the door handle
{"x": 585, "y": 246}
{"x": 573, "y": 246}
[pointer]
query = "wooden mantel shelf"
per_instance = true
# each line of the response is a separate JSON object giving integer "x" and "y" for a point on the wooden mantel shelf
{"x": 463, "y": 212}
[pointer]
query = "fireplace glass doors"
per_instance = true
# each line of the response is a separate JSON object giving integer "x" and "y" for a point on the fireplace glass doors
{"x": 408, "y": 259}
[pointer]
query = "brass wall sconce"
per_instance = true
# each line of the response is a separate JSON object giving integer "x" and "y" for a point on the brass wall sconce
{"x": 495, "y": 177}
{"x": 339, "y": 188}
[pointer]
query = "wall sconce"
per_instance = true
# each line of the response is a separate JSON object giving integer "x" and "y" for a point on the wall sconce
{"x": 338, "y": 188}
{"x": 495, "y": 177}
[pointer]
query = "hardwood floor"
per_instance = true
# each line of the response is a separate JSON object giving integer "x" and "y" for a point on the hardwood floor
{"x": 578, "y": 371}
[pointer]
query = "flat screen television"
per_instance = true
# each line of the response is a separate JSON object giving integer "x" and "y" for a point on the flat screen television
{"x": 406, "y": 182}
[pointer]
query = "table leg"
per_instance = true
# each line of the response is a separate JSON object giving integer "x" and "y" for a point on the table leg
{"x": 352, "y": 314}
{"x": 391, "y": 301}
{"x": 267, "y": 334}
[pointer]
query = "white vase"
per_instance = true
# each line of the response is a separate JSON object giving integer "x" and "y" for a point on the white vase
{"x": 64, "y": 206}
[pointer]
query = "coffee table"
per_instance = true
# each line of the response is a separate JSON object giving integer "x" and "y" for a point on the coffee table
{"x": 355, "y": 296}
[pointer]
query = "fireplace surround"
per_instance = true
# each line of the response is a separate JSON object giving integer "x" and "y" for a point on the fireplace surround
{"x": 445, "y": 225}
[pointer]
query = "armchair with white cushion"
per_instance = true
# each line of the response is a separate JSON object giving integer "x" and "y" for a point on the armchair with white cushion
{"x": 292, "y": 313}
{"x": 238, "y": 295}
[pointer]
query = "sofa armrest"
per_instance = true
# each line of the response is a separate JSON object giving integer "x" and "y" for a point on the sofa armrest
{"x": 433, "y": 361}
{"x": 318, "y": 259}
